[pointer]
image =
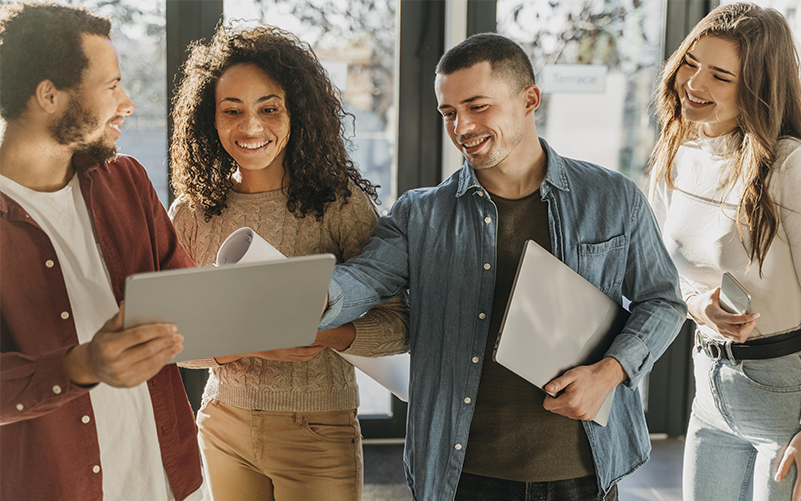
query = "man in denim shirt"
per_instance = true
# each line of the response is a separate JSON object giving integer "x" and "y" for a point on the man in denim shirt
{"x": 456, "y": 248}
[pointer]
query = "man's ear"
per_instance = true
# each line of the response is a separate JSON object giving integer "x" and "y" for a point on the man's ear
{"x": 47, "y": 96}
{"x": 532, "y": 97}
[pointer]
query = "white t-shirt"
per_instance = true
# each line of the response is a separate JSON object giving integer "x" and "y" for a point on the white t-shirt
{"x": 699, "y": 229}
{"x": 130, "y": 457}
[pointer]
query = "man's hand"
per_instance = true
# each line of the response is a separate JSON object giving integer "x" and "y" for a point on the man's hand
{"x": 705, "y": 309}
{"x": 792, "y": 455}
{"x": 585, "y": 388}
{"x": 123, "y": 358}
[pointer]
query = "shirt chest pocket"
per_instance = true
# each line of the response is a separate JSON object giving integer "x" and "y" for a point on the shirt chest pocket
{"x": 604, "y": 264}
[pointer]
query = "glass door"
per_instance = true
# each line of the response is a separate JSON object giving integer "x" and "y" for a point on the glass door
{"x": 597, "y": 63}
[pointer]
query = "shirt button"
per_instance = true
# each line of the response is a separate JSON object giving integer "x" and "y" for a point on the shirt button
{"x": 481, "y": 193}
{"x": 482, "y": 316}
{"x": 85, "y": 419}
{"x": 65, "y": 315}
{"x": 487, "y": 266}
{"x": 56, "y": 389}
{"x": 96, "y": 469}
{"x": 488, "y": 220}
{"x": 467, "y": 400}
{"x": 458, "y": 447}
{"x": 20, "y": 407}
{"x": 475, "y": 360}
{"x": 49, "y": 263}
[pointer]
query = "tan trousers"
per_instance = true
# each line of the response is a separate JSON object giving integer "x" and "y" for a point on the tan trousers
{"x": 285, "y": 456}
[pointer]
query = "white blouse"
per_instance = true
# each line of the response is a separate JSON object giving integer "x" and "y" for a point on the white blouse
{"x": 698, "y": 226}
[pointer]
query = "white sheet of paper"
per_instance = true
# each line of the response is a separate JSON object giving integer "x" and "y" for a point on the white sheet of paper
{"x": 391, "y": 372}
{"x": 246, "y": 246}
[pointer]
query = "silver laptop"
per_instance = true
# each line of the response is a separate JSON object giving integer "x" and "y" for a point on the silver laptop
{"x": 240, "y": 308}
{"x": 555, "y": 320}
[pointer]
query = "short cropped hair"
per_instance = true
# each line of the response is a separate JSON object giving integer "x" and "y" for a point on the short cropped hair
{"x": 505, "y": 56}
{"x": 40, "y": 41}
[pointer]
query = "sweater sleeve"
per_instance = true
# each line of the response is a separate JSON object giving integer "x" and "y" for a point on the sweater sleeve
{"x": 185, "y": 222}
{"x": 383, "y": 330}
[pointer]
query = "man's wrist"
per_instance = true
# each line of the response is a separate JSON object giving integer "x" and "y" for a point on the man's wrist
{"x": 613, "y": 371}
{"x": 228, "y": 359}
{"x": 76, "y": 365}
{"x": 339, "y": 338}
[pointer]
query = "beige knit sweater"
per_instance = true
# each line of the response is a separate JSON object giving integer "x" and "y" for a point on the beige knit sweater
{"x": 327, "y": 382}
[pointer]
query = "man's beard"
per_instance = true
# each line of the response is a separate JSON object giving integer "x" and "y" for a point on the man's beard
{"x": 498, "y": 152}
{"x": 73, "y": 127}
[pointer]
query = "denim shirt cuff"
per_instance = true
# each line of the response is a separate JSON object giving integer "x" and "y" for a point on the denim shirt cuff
{"x": 633, "y": 355}
{"x": 334, "y": 306}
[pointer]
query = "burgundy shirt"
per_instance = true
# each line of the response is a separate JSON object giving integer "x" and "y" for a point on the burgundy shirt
{"x": 48, "y": 441}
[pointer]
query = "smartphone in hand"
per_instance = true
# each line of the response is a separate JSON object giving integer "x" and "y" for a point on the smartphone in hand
{"x": 734, "y": 298}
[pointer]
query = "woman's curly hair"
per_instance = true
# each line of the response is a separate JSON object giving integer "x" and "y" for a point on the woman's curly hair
{"x": 316, "y": 161}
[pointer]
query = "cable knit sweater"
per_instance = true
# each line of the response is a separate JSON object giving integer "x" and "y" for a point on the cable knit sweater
{"x": 327, "y": 382}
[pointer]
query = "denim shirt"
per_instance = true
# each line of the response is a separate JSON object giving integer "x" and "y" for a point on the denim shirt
{"x": 440, "y": 244}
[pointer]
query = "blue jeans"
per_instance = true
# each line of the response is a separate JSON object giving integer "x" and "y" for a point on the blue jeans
{"x": 478, "y": 488}
{"x": 743, "y": 417}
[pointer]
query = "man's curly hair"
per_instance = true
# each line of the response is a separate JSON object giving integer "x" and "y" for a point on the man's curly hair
{"x": 316, "y": 161}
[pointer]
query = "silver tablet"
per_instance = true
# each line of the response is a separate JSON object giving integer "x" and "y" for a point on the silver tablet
{"x": 234, "y": 309}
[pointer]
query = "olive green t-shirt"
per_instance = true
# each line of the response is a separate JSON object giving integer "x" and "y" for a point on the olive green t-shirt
{"x": 512, "y": 436}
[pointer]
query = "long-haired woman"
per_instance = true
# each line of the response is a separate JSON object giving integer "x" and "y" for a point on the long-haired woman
{"x": 726, "y": 188}
{"x": 259, "y": 142}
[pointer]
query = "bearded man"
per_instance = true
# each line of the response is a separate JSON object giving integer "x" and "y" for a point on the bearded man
{"x": 77, "y": 421}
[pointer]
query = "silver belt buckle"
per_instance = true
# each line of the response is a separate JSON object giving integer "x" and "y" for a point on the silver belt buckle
{"x": 713, "y": 348}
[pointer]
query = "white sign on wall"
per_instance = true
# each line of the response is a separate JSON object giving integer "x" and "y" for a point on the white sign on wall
{"x": 572, "y": 78}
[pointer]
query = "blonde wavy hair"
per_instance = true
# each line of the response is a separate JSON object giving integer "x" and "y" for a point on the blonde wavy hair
{"x": 769, "y": 96}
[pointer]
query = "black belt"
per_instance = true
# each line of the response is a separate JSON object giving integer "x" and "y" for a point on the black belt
{"x": 760, "y": 348}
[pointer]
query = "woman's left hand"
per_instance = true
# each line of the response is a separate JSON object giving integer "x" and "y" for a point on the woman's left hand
{"x": 792, "y": 455}
{"x": 705, "y": 309}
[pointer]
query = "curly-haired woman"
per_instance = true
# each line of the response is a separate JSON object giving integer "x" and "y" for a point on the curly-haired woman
{"x": 726, "y": 189}
{"x": 259, "y": 142}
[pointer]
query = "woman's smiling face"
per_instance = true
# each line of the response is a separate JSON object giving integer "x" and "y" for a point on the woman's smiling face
{"x": 252, "y": 118}
{"x": 706, "y": 83}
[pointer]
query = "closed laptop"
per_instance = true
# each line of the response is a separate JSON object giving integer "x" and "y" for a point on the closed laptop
{"x": 555, "y": 320}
